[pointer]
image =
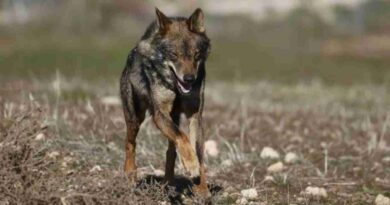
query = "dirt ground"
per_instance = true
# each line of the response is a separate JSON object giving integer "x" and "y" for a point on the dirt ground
{"x": 61, "y": 142}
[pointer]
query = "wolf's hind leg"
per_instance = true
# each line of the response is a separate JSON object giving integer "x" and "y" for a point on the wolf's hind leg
{"x": 134, "y": 117}
{"x": 130, "y": 145}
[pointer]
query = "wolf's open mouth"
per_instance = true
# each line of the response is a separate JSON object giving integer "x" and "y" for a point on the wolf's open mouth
{"x": 185, "y": 88}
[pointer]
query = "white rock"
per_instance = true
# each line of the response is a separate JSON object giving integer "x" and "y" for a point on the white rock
{"x": 315, "y": 192}
{"x": 225, "y": 194}
{"x": 382, "y": 200}
{"x": 159, "y": 172}
{"x": 386, "y": 159}
{"x": 40, "y": 137}
{"x": 242, "y": 201}
{"x": 110, "y": 100}
{"x": 95, "y": 168}
{"x": 113, "y": 146}
{"x": 291, "y": 158}
{"x": 89, "y": 107}
{"x": 301, "y": 199}
{"x": 276, "y": 167}
{"x": 211, "y": 148}
{"x": 249, "y": 193}
{"x": 268, "y": 178}
{"x": 227, "y": 163}
{"x": 68, "y": 159}
{"x": 53, "y": 154}
{"x": 270, "y": 153}
{"x": 64, "y": 164}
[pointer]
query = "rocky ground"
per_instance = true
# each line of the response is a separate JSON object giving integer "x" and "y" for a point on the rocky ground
{"x": 61, "y": 142}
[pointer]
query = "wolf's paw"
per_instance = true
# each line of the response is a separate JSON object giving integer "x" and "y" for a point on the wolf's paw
{"x": 188, "y": 158}
{"x": 131, "y": 175}
{"x": 201, "y": 191}
{"x": 130, "y": 171}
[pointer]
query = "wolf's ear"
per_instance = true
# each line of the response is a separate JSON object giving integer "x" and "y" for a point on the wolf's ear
{"x": 163, "y": 22}
{"x": 195, "y": 21}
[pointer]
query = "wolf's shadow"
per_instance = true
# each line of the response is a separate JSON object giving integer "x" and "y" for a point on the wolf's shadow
{"x": 183, "y": 187}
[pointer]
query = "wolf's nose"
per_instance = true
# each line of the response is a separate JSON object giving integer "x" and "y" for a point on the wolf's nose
{"x": 188, "y": 78}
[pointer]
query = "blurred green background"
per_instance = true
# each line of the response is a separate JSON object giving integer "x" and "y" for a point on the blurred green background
{"x": 341, "y": 42}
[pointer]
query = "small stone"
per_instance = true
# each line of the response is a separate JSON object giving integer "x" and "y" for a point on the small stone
{"x": 89, "y": 107}
{"x": 268, "y": 178}
{"x": 225, "y": 194}
{"x": 110, "y": 100}
{"x": 249, "y": 193}
{"x": 356, "y": 169}
{"x": 269, "y": 152}
{"x": 95, "y": 168}
{"x": 242, "y": 201}
{"x": 211, "y": 148}
{"x": 53, "y": 154}
{"x": 382, "y": 200}
{"x": 316, "y": 192}
{"x": 40, "y": 137}
{"x": 227, "y": 163}
{"x": 386, "y": 159}
{"x": 300, "y": 199}
{"x": 291, "y": 158}
{"x": 159, "y": 172}
{"x": 276, "y": 167}
{"x": 68, "y": 159}
{"x": 188, "y": 201}
{"x": 112, "y": 146}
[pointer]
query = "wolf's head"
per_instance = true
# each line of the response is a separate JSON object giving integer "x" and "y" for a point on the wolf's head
{"x": 184, "y": 46}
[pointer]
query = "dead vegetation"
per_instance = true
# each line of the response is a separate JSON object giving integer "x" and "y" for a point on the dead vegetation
{"x": 58, "y": 146}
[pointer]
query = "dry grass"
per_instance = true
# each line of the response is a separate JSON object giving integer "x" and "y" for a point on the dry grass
{"x": 339, "y": 133}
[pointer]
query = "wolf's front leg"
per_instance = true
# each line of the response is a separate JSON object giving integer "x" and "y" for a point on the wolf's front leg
{"x": 197, "y": 141}
{"x": 186, "y": 152}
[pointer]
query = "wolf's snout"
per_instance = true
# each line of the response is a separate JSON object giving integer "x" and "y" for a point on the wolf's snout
{"x": 189, "y": 78}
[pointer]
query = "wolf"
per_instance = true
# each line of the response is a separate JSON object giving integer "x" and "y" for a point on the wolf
{"x": 165, "y": 75}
